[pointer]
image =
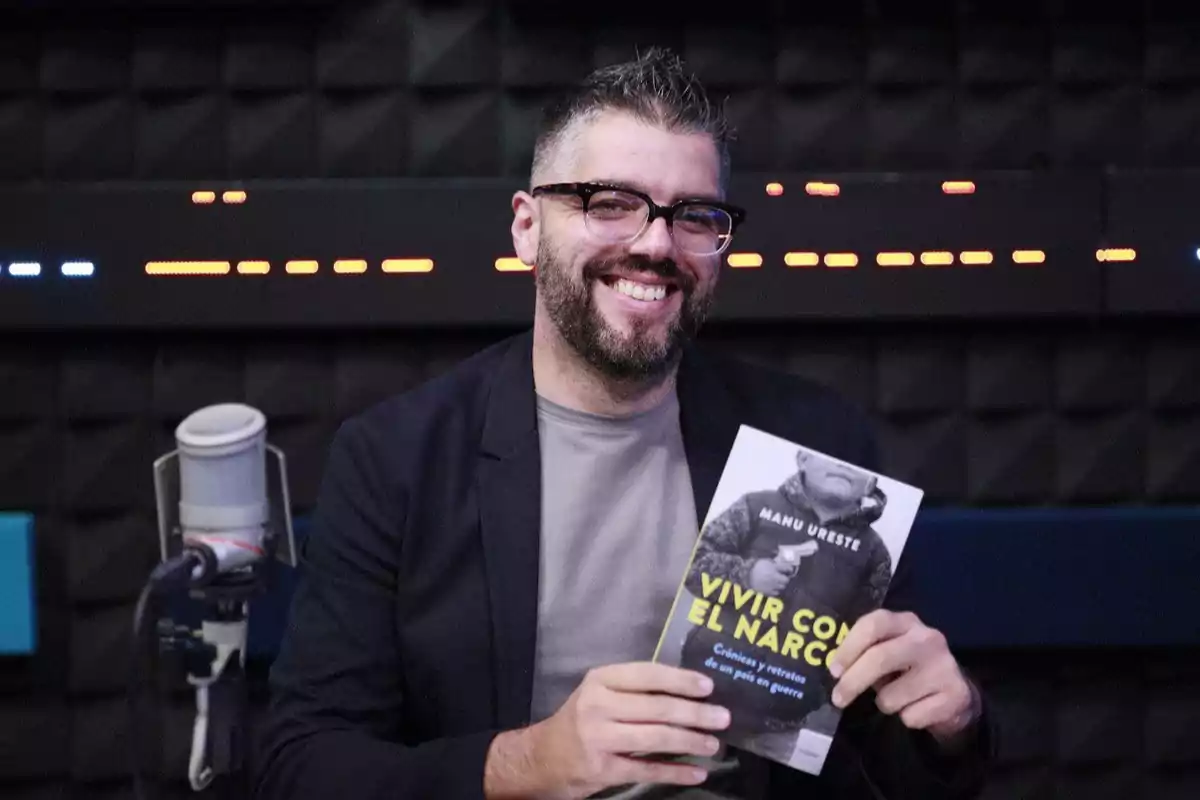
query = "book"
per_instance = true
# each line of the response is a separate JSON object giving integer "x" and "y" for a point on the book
{"x": 795, "y": 547}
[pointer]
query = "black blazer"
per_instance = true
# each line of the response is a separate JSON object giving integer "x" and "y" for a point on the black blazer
{"x": 411, "y": 637}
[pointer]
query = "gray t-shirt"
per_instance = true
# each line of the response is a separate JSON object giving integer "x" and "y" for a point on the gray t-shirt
{"x": 619, "y": 523}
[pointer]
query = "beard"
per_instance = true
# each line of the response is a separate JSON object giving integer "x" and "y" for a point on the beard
{"x": 642, "y": 353}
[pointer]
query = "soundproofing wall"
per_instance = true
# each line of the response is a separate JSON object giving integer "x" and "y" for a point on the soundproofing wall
{"x": 1003, "y": 413}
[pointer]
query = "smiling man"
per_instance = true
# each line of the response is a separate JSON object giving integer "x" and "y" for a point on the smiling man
{"x": 494, "y": 553}
{"x": 623, "y": 282}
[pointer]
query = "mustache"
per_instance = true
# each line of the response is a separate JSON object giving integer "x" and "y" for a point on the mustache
{"x": 667, "y": 269}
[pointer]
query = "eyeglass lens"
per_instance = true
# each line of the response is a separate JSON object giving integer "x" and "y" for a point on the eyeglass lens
{"x": 697, "y": 228}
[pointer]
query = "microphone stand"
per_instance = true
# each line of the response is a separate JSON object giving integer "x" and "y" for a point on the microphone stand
{"x": 209, "y": 635}
{"x": 214, "y": 655}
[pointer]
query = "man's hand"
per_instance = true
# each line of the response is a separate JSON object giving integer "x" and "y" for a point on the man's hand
{"x": 591, "y": 743}
{"x": 911, "y": 669}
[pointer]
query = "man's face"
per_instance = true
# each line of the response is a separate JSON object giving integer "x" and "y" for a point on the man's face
{"x": 627, "y": 308}
{"x": 833, "y": 483}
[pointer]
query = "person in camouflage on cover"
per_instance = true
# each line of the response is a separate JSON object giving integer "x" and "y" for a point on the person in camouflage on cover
{"x": 765, "y": 541}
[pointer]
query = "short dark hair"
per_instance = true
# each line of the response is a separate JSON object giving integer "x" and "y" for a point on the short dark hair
{"x": 655, "y": 87}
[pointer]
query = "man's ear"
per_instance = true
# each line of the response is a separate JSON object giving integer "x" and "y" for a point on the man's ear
{"x": 525, "y": 228}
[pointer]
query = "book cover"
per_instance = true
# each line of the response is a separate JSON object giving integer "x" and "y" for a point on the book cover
{"x": 795, "y": 547}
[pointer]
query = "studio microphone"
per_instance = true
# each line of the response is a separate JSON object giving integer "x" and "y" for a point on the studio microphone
{"x": 224, "y": 512}
{"x": 223, "y": 509}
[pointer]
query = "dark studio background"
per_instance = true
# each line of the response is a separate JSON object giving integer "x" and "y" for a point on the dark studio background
{"x": 998, "y": 412}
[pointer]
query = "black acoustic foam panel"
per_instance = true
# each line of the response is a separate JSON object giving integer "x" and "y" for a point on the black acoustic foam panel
{"x": 392, "y": 88}
{"x": 998, "y": 414}
{"x": 1002, "y": 415}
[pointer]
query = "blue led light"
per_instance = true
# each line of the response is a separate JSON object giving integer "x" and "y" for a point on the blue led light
{"x": 78, "y": 269}
{"x": 18, "y": 594}
{"x": 25, "y": 269}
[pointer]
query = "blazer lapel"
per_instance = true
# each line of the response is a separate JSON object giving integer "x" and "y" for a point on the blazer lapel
{"x": 509, "y": 487}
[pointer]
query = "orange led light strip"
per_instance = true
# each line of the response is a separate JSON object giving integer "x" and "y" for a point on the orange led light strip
{"x": 841, "y": 260}
{"x": 349, "y": 266}
{"x": 741, "y": 260}
{"x": 206, "y": 197}
{"x": 928, "y": 258}
{"x": 512, "y": 264}
{"x": 341, "y": 266}
{"x": 745, "y": 260}
{"x": 829, "y": 189}
{"x": 188, "y": 267}
{"x": 801, "y": 259}
{"x": 1116, "y": 254}
{"x": 394, "y": 265}
{"x": 895, "y": 259}
{"x": 822, "y": 189}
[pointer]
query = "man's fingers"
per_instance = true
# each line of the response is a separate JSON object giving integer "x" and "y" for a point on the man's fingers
{"x": 648, "y": 738}
{"x": 925, "y": 711}
{"x": 893, "y": 696}
{"x": 649, "y": 771}
{"x": 647, "y": 676}
{"x": 881, "y": 659}
{"x": 870, "y": 629}
{"x": 665, "y": 709}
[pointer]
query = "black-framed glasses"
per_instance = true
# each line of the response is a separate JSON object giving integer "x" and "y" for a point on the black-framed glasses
{"x": 620, "y": 214}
